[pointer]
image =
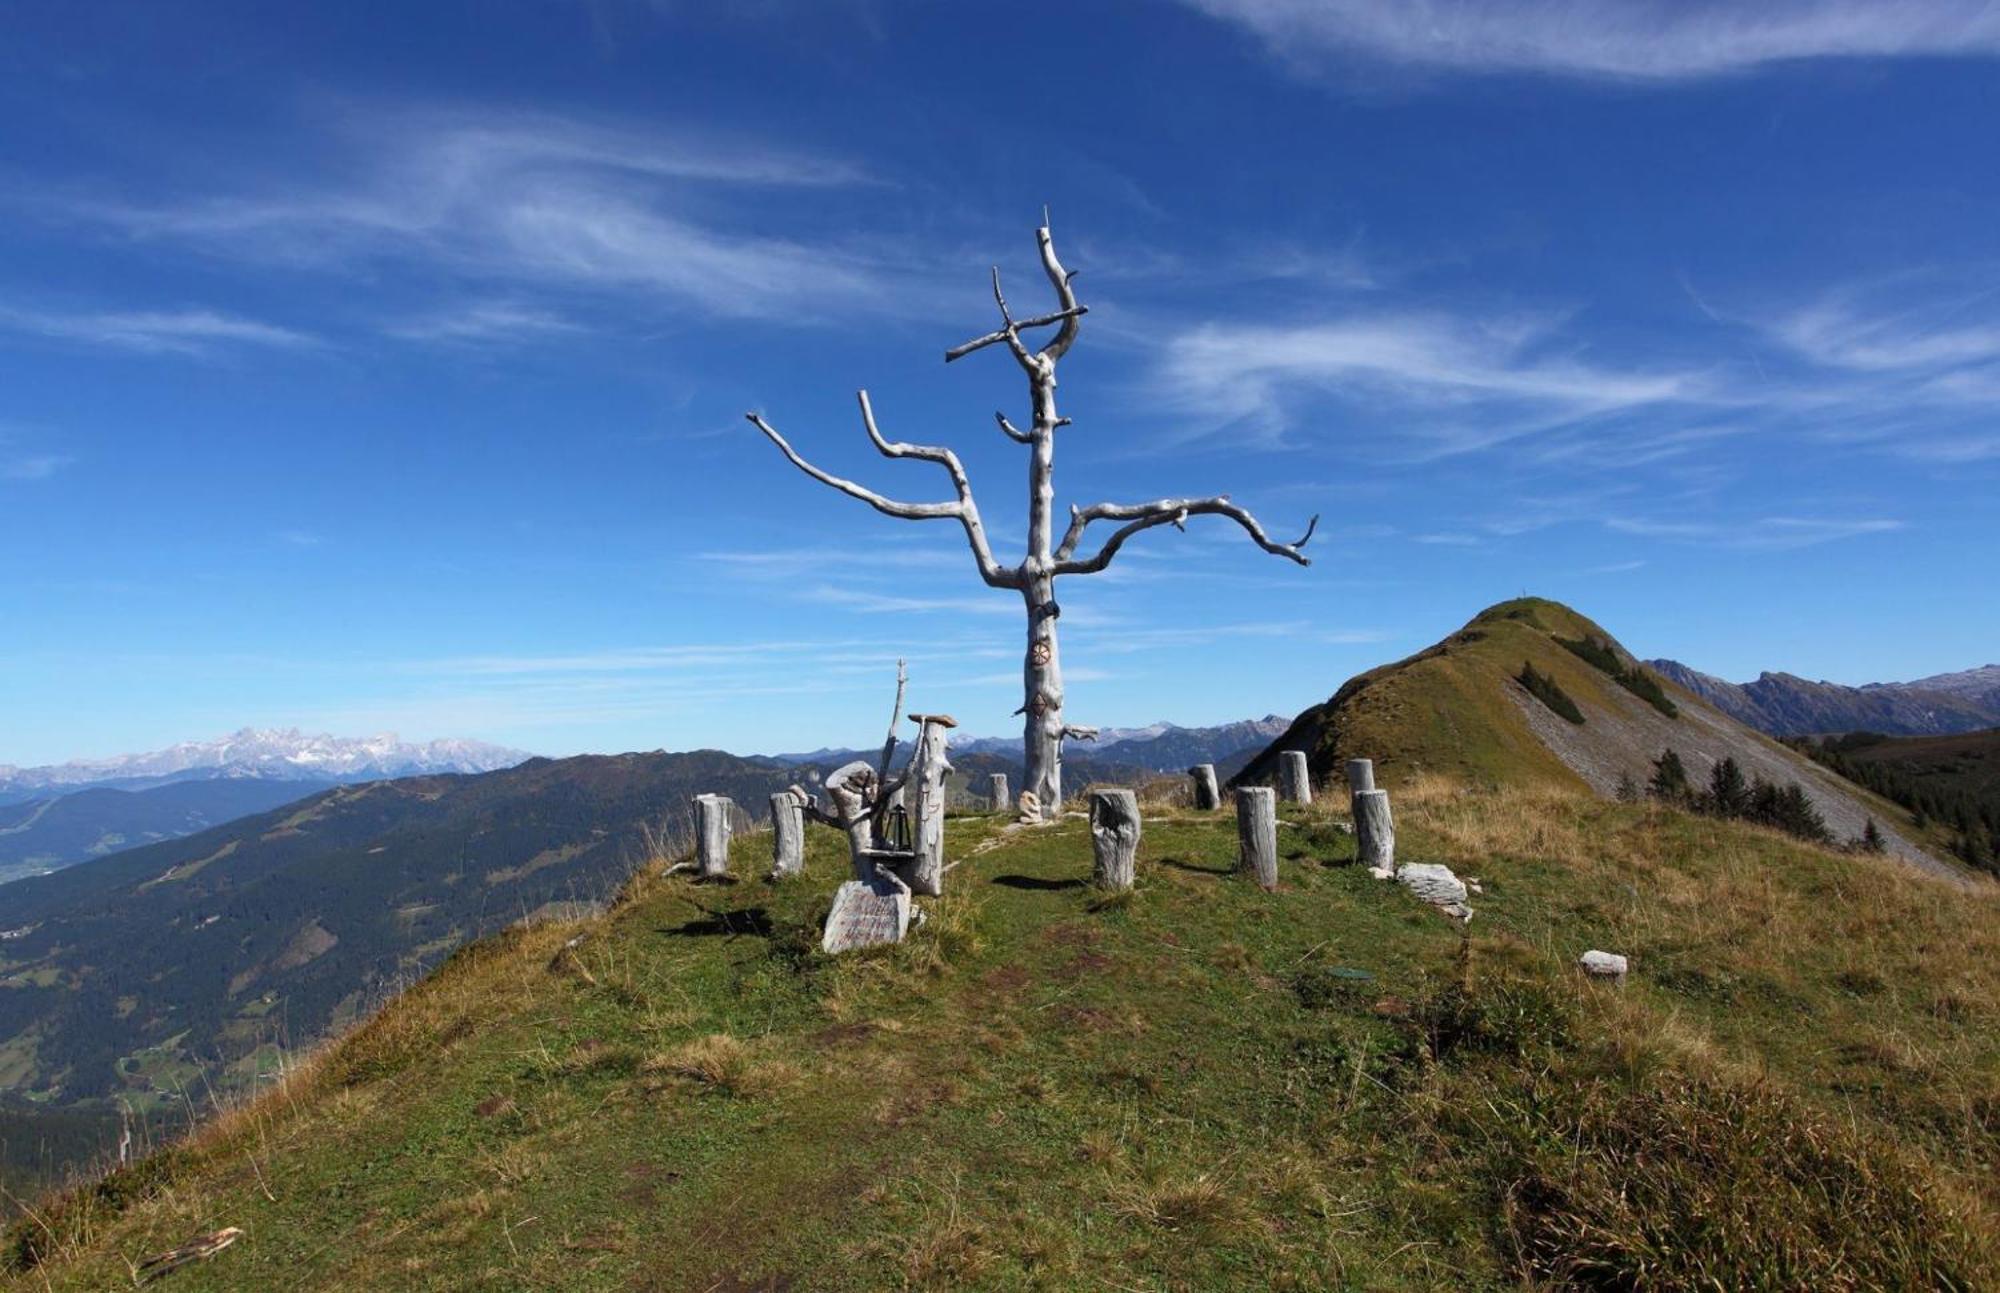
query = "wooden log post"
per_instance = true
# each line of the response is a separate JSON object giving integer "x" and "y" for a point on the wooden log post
{"x": 788, "y": 834}
{"x": 1374, "y": 830}
{"x": 928, "y": 769}
{"x": 997, "y": 798}
{"x": 1114, "y": 836}
{"x": 1257, "y": 833}
{"x": 712, "y": 828}
{"x": 1294, "y": 777}
{"x": 1360, "y": 776}
{"x": 1206, "y": 797}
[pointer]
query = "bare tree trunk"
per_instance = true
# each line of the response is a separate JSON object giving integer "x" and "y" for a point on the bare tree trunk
{"x": 1374, "y": 830}
{"x": 1257, "y": 833}
{"x": 1294, "y": 777}
{"x": 1041, "y": 676}
{"x": 712, "y": 827}
{"x": 928, "y": 769}
{"x": 1206, "y": 797}
{"x": 1114, "y": 836}
{"x": 788, "y": 834}
{"x": 1360, "y": 776}
{"x": 997, "y": 798}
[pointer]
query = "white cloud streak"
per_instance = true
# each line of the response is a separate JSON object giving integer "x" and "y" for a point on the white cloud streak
{"x": 158, "y": 332}
{"x": 1645, "y": 41}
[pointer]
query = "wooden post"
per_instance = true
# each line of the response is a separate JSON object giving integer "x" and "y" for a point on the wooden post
{"x": 1114, "y": 836}
{"x": 1360, "y": 776}
{"x": 1374, "y": 831}
{"x": 1257, "y": 833}
{"x": 850, "y": 789}
{"x": 1294, "y": 777}
{"x": 712, "y": 827}
{"x": 928, "y": 769}
{"x": 788, "y": 833}
{"x": 997, "y": 798}
{"x": 1206, "y": 797}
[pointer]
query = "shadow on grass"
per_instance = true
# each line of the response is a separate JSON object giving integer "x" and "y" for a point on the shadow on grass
{"x": 752, "y": 921}
{"x": 1192, "y": 869}
{"x": 1036, "y": 882}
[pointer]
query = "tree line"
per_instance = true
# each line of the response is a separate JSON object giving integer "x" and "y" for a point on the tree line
{"x": 1730, "y": 794}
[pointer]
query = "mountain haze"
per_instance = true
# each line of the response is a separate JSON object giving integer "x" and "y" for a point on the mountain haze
{"x": 42, "y": 835}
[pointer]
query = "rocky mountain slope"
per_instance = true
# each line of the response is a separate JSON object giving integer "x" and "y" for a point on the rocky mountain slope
{"x": 1782, "y": 704}
{"x": 1460, "y": 708}
{"x": 278, "y": 754}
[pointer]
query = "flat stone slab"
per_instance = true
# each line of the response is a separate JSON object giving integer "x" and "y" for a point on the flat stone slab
{"x": 1432, "y": 882}
{"x": 865, "y": 915}
{"x": 1603, "y": 965}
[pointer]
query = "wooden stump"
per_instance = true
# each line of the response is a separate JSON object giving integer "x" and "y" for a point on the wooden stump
{"x": 1206, "y": 797}
{"x": 997, "y": 798}
{"x": 1294, "y": 777}
{"x": 1257, "y": 833}
{"x": 788, "y": 833}
{"x": 712, "y": 828}
{"x": 1360, "y": 776}
{"x": 1114, "y": 836}
{"x": 928, "y": 769}
{"x": 1374, "y": 831}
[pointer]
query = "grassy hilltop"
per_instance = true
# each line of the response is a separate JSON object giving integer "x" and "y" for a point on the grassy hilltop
{"x": 1199, "y": 1086}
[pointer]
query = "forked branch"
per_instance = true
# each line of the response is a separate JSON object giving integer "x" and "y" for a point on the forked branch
{"x": 1165, "y": 511}
{"x": 963, "y": 509}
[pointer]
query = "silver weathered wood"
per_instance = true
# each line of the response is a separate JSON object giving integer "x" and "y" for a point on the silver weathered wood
{"x": 929, "y": 767}
{"x": 712, "y": 826}
{"x": 788, "y": 833}
{"x": 866, "y": 914}
{"x": 1114, "y": 837}
{"x": 997, "y": 798}
{"x": 1374, "y": 829}
{"x": 850, "y": 790}
{"x": 1045, "y": 728}
{"x": 1206, "y": 797}
{"x": 1257, "y": 833}
{"x": 1360, "y": 776}
{"x": 1294, "y": 777}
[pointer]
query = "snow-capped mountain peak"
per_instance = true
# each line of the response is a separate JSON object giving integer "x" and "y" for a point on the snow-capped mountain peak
{"x": 272, "y": 753}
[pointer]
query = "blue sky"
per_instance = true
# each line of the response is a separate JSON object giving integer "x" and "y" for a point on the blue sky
{"x": 382, "y": 367}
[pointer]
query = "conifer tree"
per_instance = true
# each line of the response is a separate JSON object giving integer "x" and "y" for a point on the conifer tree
{"x": 1670, "y": 778}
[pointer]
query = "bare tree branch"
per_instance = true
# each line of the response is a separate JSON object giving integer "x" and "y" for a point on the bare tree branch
{"x": 1165, "y": 511}
{"x": 1059, "y": 278}
{"x": 964, "y": 509}
{"x": 999, "y": 335}
{"x": 1014, "y": 433}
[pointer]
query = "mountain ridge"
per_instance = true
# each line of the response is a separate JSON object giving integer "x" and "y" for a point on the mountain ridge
{"x": 1785, "y": 704}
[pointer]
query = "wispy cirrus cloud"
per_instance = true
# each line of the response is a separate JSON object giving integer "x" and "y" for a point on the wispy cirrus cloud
{"x": 483, "y": 322}
{"x": 31, "y": 466}
{"x": 1648, "y": 41}
{"x": 1768, "y": 533}
{"x": 533, "y": 200}
{"x": 157, "y": 332}
{"x": 1469, "y": 382}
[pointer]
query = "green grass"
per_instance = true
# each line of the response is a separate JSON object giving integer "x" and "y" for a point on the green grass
{"x": 1199, "y": 1086}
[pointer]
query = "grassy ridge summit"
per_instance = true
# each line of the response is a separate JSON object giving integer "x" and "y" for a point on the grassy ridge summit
{"x": 1531, "y": 693}
{"x": 1201, "y": 1085}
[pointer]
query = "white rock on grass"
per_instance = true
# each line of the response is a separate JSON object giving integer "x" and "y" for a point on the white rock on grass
{"x": 1436, "y": 885}
{"x": 1605, "y": 965}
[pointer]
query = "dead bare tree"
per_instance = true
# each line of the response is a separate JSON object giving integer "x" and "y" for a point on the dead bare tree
{"x": 1046, "y": 559}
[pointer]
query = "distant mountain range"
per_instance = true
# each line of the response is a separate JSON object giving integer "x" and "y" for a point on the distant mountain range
{"x": 278, "y": 754}
{"x": 1157, "y": 747}
{"x": 1783, "y": 704}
